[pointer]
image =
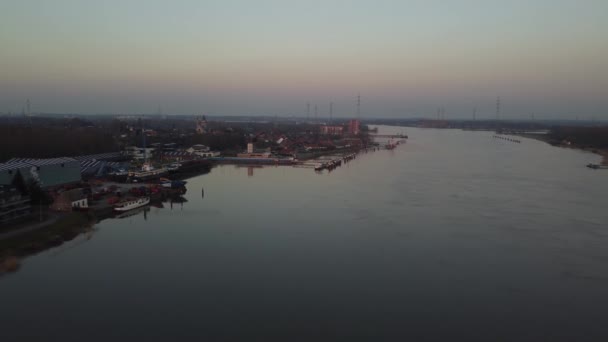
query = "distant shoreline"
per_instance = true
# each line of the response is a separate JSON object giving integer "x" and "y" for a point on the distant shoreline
{"x": 544, "y": 138}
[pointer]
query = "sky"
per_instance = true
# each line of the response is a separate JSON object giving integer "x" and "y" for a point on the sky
{"x": 547, "y": 58}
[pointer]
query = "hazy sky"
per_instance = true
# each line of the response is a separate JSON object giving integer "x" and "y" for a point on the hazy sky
{"x": 229, "y": 57}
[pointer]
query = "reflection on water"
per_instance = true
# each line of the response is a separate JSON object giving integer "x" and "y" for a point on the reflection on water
{"x": 63, "y": 232}
{"x": 137, "y": 211}
{"x": 31, "y": 244}
{"x": 452, "y": 236}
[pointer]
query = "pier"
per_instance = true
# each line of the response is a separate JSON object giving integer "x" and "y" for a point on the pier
{"x": 507, "y": 139}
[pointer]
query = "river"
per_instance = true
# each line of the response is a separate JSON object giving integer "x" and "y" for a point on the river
{"x": 454, "y": 236}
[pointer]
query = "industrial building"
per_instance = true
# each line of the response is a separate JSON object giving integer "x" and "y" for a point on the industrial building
{"x": 101, "y": 164}
{"x": 47, "y": 172}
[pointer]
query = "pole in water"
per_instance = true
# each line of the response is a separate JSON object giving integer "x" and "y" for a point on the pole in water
{"x": 202, "y": 192}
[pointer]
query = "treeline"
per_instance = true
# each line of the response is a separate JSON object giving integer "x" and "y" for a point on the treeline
{"x": 233, "y": 140}
{"x": 592, "y": 137}
{"x": 223, "y": 142}
{"x": 19, "y": 141}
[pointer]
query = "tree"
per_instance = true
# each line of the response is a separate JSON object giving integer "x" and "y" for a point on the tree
{"x": 37, "y": 194}
{"x": 19, "y": 183}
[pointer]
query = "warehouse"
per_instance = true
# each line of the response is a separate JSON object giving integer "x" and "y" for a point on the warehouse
{"x": 47, "y": 172}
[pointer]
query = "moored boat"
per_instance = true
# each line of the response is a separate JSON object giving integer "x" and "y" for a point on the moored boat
{"x": 390, "y": 145}
{"x": 131, "y": 204}
{"x": 173, "y": 184}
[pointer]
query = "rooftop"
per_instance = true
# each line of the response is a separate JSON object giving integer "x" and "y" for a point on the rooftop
{"x": 18, "y": 163}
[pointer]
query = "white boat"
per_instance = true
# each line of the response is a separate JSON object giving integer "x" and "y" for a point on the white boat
{"x": 148, "y": 172}
{"x": 173, "y": 167}
{"x": 129, "y": 205}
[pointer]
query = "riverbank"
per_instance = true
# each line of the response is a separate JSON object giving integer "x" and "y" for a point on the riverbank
{"x": 31, "y": 224}
{"x": 64, "y": 228}
{"x": 34, "y": 237}
{"x": 545, "y": 138}
{"x": 604, "y": 154}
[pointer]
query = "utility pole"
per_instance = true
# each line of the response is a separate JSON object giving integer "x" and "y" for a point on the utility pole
{"x": 143, "y": 135}
{"x": 29, "y": 113}
{"x": 308, "y": 111}
{"x": 497, "y": 108}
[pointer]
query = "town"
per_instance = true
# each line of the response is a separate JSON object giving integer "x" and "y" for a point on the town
{"x": 141, "y": 161}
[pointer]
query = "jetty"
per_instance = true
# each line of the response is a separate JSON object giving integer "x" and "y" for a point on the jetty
{"x": 507, "y": 139}
{"x": 597, "y": 166}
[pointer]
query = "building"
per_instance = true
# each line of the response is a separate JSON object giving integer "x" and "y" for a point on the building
{"x": 48, "y": 173}
{"x": 253, "y": 154}
{"x": 332, "y": 130}
{"x": 198, "y": 149}
{"x": 354, "y": 126}
{"x": 101, "y": 164}
{"x": 201, "y": 125}
{"x": 70, "y": 200}
{"x": 96, "y": 168}
{"x": 177, "y": 156}
{"x": 109, "y": 156}
{"x": 202, "y": 151}
{"x": 139, "y": 153}
{"x": 13, "y": 205}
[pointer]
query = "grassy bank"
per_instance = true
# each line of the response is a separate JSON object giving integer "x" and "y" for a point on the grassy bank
{"x": 64, "y": 229}
{"x": 550, "y": 140}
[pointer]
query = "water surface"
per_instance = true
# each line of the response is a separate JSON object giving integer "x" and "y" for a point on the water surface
{"x": 453, "y": 236}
